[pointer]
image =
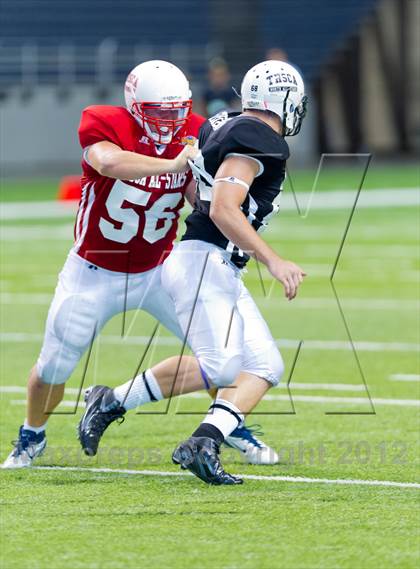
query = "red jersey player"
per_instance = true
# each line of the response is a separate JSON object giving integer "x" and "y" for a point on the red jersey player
{"x": 125, "y": 226}
{"x": 135, "y": 177}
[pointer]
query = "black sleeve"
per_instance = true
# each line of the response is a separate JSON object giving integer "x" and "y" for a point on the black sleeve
{"x": 254, "y": 139}
{"x": 205, "y": 130}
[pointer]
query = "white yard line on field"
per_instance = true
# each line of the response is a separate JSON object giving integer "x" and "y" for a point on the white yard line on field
{"x": 351, "y": 400}
{"x": 22, "y": 389}
{"x": 37, "y": 233}
{"x": 345, "y": 345}
{"x": 360, "y": 253}
{"x": 64, "y": 232}
{"x": 325, "y": 386}
{"x": 26, "y": 337}
{"x": 349, "y": 303}
{"x": 322, "y": 399}
{"x": 344, "y": 199}
{"x": 27, "y": 298}
{"x": 296, "y": 398}
{"x": 37, "y": 210}
{"x": 294, "y": 386}
{"x": 297, "y": 479}
{"x": 404, "y": 377}
{"x": 340, "y": 199}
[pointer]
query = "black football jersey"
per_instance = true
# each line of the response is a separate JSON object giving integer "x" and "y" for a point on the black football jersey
{"x": 229, "y": 134}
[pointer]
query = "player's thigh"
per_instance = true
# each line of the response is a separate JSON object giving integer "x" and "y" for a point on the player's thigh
{"x": 261, "y": 354}
{"x": 78, "y": 311}
{"x": 204, "y": 289}
{"x": 154, "y": 299}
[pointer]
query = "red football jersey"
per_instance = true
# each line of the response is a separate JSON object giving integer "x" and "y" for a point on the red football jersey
{"x": 127, "y": 225}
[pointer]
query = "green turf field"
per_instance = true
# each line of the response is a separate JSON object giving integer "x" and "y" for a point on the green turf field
{"x": 328, "y": 430}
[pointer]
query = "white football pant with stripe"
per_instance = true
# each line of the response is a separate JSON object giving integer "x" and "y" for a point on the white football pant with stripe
{"x": 225, "y": 329}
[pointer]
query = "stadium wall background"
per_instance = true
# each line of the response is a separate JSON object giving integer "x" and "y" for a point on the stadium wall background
{"x": 360, "y": 59}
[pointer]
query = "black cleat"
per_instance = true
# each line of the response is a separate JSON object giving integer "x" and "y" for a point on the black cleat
{"x": 200, "y": 455}
{"x": 102, "y": 409}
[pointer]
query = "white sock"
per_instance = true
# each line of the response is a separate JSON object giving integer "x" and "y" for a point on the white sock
{"x": 143, "y": 389}
{"x": 224, "y": 416}
{"x": 36, "y": 430}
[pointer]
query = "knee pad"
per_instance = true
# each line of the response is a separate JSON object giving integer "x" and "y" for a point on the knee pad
{"x": 69, "y": 333}
{"x": 268, "y": 365}
{"x": 275, "y": 366}
{"x": 221, "y": 370}
{"x": 57, "y": 366}
{"x": 75, "y": 322}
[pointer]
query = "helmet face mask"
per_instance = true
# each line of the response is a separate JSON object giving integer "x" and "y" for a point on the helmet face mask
{"x": 278, "y": 87}
{"x": 293, "y": 116}
{"x": 157, "y": 94}
{"x": 164, "y": 122}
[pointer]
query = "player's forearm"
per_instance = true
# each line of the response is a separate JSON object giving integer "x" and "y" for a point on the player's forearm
{"x": 234, "y": 225}
{"x": 125, "y": 165}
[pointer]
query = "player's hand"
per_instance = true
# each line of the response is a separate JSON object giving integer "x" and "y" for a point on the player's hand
{"x": 289, "y": 274}
{"x": 180, "y": 163}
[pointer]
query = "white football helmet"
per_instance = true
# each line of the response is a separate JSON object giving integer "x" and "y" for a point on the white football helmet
{"x": 278, "y": 87}
{"x": 158, "y": 95}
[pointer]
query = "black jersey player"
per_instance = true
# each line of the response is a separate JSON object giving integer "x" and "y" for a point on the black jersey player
{"x": 239, "y": 173}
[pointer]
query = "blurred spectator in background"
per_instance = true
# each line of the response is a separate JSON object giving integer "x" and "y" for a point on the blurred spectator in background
{"x": 219, "y": 95}
{"x": 280, "y": 55}
{"x": 276, "y": 53}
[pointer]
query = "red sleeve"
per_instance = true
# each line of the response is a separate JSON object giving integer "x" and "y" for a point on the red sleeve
{"x": 195, "y": 124}
{"x": 96, "y": 125}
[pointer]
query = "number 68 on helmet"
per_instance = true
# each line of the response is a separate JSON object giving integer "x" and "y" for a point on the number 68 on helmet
{"x": 278, "y": 87}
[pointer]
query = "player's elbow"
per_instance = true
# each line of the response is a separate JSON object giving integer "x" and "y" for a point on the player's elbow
{"x": 224, "y": 216}
{"x": 218, "y": 212}
{"x": 214, "y": 212}
{"x": 107, "y": 165}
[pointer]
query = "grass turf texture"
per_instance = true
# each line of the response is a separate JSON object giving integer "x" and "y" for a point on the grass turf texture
{"x": 89, "y": 520}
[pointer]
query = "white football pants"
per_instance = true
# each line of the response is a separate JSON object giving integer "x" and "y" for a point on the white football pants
{"x": 224, "y": 327}
{"x": 85, "y": 299}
